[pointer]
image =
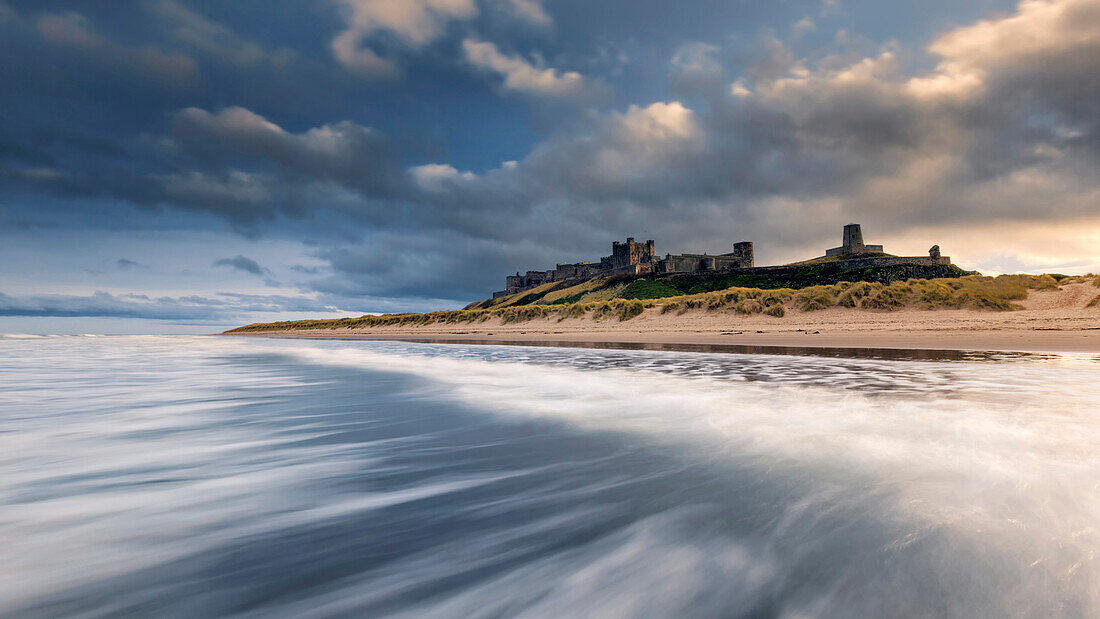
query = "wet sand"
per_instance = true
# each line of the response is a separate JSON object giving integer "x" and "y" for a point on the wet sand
{"x": 1066, "y": 341}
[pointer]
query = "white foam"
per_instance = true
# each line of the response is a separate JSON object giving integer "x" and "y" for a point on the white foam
{"x": 1009, "y": 463}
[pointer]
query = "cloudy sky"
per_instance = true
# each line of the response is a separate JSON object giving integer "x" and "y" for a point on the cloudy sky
{"x": 184, "y": 165}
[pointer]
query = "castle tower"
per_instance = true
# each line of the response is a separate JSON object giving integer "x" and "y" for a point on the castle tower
{"x": 853, "y": 237}
{"x": 743, "y": 252}
{"x": 629, "y": 253}
{"x": 853, "y": 243}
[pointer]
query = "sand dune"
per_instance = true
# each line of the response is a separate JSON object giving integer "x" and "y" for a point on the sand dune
{"x": 1052, "y": 320}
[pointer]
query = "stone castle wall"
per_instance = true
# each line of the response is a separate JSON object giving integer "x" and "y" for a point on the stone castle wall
{"x": 885, "y": 261}
{"x": 853, "y": 263}
{"x": 740, "y": 258}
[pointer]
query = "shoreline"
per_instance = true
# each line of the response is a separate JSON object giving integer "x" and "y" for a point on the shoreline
{"x": 777, "y": 342}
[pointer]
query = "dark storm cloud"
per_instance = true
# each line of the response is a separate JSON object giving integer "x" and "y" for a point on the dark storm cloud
{"x": 126, "y": 264}
{"x": 241, "y": 263}
{"x": 343, "y": 152}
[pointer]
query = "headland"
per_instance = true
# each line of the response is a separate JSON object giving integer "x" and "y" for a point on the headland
{"x": 855, "y": 296}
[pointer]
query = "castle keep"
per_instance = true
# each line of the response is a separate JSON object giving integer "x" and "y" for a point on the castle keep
{"x": 631, "y": 258}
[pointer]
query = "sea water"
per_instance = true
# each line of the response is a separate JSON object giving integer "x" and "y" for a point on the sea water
{"x": 204, "y": 476}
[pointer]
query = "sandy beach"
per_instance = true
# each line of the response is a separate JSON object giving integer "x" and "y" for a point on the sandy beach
{"x": 1051, "y": 321}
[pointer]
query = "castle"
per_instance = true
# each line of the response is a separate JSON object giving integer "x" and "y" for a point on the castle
{"x": 631, "y": 258}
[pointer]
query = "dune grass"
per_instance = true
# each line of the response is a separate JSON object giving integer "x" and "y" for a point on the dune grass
{"x": 968, "y": 292}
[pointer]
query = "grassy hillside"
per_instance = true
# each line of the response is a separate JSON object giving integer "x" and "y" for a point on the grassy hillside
{"x": 970, "y": 292}
{"x": 649, "y": 287}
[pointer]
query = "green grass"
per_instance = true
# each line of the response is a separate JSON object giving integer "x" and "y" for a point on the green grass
{"x": 649, "y": 289}
{"x": 572, "y": 298}
{"x": 630, "y": 309}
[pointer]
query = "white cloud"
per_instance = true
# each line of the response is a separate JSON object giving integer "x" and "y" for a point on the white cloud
{"x": 363, "y": 62}
{"x": 659, "y": 122}
{"x": 739, "y": 89}
{"x": 432, "y": 176}
{"x": 414, "y": 22}
{"x": 1039, "y": 31}
{"x": 522, "y": 76}
{"x": 696, "y": 57}
{"x": 642, "y": 154}
{"x": 530, "y": 10}
{"x": 645, "y": 142}
{"x": 1049, "y": 40}
{"x": 803, "y": 26}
